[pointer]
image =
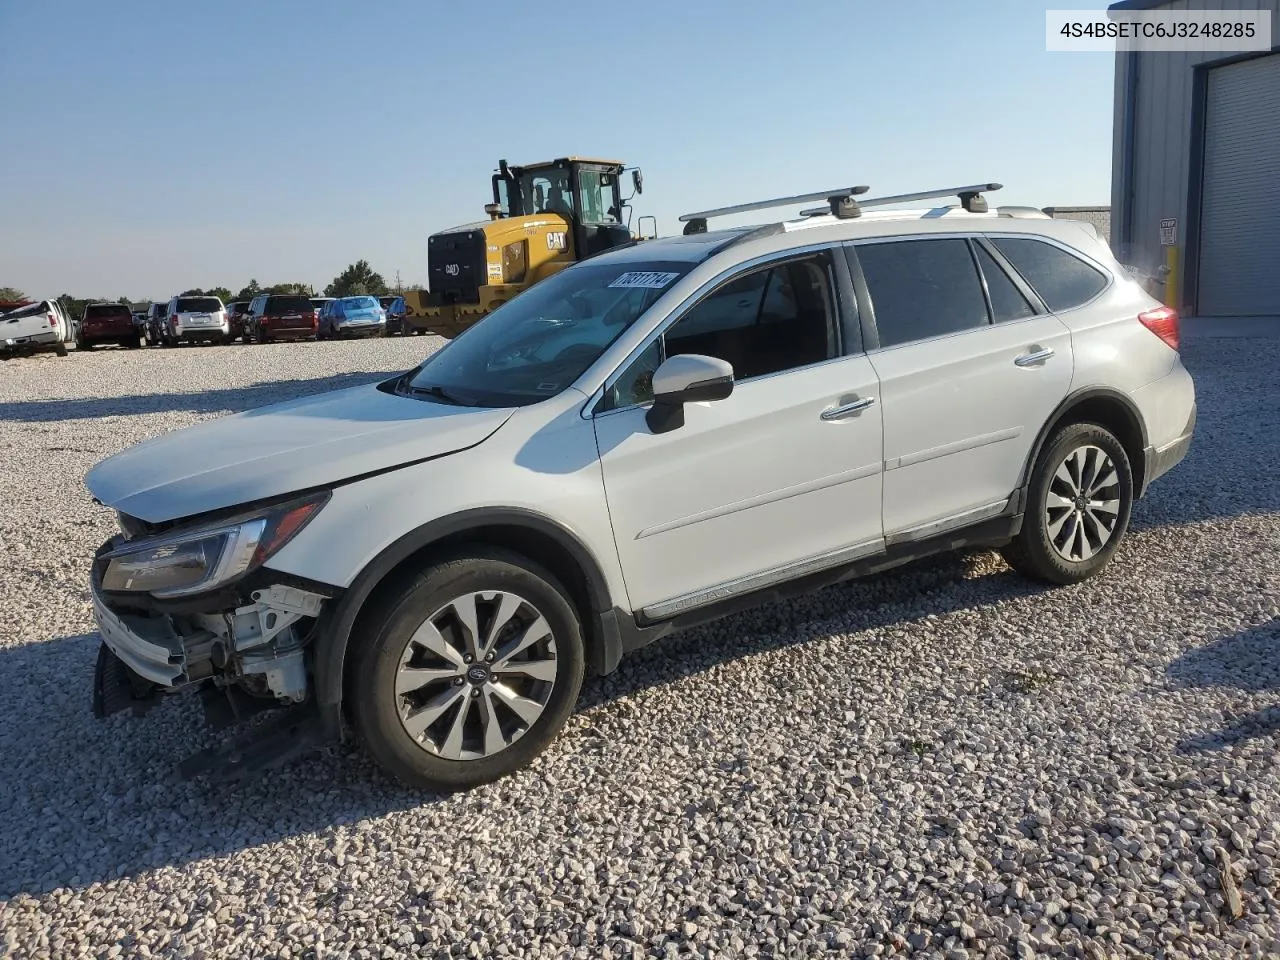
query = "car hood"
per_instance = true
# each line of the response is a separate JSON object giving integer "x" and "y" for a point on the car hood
{"x": 278, "y": 449}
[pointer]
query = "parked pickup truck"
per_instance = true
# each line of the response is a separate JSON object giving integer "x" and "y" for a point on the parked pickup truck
{"x": 34, "y": 328}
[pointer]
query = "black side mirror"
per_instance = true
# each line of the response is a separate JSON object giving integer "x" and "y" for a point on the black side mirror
{"x": 687, "y": 378}
{"x": 637, "y": 180}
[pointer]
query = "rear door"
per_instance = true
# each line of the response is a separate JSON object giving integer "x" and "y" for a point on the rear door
{"x": 779, "y": 479}
{"x": 970, "y": 365}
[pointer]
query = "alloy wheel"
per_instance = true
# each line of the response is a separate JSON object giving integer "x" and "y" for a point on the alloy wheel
{"x": 1082, "y": 504}
{"x": 476, "y": 675}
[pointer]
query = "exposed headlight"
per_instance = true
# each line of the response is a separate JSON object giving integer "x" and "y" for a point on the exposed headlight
{"x": 202, "y": 558}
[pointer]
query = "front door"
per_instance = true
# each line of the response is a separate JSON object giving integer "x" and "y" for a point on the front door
{"x": 968, "y": 371}
{"x": 781, "y": 478}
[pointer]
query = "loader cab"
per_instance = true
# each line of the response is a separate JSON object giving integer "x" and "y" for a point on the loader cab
{"x": 586, "y": 193}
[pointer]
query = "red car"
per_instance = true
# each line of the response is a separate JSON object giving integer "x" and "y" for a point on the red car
{"x": 107, "y": 323}
{"x": 281, "y": 316}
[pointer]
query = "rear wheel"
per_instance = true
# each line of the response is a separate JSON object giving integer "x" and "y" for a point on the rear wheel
{"x": 468, "y": 671}
{"x": 60, "y": 349}
{"x": 1078, "y": 505}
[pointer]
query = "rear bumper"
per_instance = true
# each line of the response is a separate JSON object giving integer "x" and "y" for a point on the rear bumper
{"x": 365, "y": 329}
{"x": 45, "y": 340}
{"x": 1160, "y": 460}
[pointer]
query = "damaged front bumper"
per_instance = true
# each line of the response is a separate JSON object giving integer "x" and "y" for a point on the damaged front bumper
{"x": 246, "y": 650}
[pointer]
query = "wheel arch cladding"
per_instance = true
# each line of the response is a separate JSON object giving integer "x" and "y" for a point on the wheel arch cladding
{"x": 1107, "y": 408}
{"x": 538, "y": 538}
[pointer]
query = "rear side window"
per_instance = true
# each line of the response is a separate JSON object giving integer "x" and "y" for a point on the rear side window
{"x": 1007, "y": 301}
{"x": 199, "y": 304}
{"x": 922, "y": 288}
{"x": 1062, "y": 280}
{"x": 282, "y": 304}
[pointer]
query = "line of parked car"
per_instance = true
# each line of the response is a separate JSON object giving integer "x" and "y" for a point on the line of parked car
{"x": 42, "y": 326}
{"x": 269, "y": 317}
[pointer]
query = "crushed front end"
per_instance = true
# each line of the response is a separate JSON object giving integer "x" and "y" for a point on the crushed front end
{"x": 190, "y": 606}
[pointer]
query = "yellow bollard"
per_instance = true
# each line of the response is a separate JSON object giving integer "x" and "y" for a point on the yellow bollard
{"x": 1171, "y": 276}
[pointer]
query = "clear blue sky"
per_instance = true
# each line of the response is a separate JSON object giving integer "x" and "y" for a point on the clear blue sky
{"x": 155, "y": 146}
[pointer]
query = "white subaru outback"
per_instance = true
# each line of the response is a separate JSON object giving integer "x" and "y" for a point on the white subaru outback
{"x": 654, "y": 437}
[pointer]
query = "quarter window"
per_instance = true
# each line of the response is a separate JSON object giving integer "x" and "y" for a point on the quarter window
{"x": 1007, "y": 301}
{"x": 769, "y": 320}
{"x": 1062, "y": 280}
{"x": 922, "y": 288}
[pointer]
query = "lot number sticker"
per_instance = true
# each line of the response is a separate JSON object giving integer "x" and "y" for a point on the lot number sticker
{"x": 650, "y": 281}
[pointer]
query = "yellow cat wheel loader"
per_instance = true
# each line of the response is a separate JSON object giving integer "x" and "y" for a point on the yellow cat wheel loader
{"x": 544, "y": 217}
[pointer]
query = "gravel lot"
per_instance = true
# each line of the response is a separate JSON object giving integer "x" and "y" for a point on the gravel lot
{"x": 945, "y": 761}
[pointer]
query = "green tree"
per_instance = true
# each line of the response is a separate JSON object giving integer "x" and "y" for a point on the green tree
{"x": 302, "y": 289}
{"x": 11, "y": 293}
{"x": 358, "y": 278}
{"x": 249, "y": 291}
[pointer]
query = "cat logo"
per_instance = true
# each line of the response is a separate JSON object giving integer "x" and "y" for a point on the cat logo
{"x": 556, "y": 240}
{"x": 452, "y": 269}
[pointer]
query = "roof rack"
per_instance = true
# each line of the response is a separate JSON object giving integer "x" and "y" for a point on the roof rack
{"x": 840, "y": 203}
{"x": 971, "y": 198}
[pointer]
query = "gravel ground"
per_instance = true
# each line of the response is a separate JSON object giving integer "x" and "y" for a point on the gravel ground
{"x": 945, "y": 761}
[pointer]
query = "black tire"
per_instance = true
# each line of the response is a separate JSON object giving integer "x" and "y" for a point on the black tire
{"x": 134, "y": 343}
{"x": 381, "y": 643}
{"x": 1033, "y": 552}
{"x": 60, "y": 349}
{"x": 82, "y": 344}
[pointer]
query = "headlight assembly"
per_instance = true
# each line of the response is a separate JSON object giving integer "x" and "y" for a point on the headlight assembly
{"x": 178, "y": 564}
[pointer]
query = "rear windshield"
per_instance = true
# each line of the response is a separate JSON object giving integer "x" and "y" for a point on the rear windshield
{"x": 199, "y": 304}
{"x": 386, "y": 301}
{"x": 107, "y": 310}
{"x": 359, "y": 303}
{"x": 282, "y": 304}
{"x": 32, "y": 310}
{"x": 239, "y": 306}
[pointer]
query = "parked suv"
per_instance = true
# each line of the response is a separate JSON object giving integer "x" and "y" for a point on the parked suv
{"x": 280, "y": 316}
{"x": 351, "y": 317}
{"x": 236, "y": 313}
{"x": 394, "y": 308}
{"x": 651, "y": 438}
{"x": 197, "y": 320}
{"x": 107, "y": 323}
{"x": 34, "y": 328}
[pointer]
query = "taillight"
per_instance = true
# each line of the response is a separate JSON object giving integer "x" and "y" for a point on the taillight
{"x": 173, "y": 322}
{"x": 1163, "y": 322}
{"x": 53, "y": 321}
{"x": 315, "y": 319}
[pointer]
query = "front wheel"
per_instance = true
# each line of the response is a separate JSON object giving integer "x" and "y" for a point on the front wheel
{"x": 470, "y": 671}
{"x": 1078, "y": 506}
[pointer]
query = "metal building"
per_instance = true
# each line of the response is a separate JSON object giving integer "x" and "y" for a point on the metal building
{"x": 1195, "y": 185}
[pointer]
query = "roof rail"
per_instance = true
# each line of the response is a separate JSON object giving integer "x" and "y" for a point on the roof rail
{"x": 840, "y": 202}
{"x": 970, "y": 198}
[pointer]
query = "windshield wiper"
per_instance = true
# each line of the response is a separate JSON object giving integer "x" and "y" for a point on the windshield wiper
{"x": 435, "y": 392}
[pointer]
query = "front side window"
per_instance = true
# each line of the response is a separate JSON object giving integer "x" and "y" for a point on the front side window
{"x": 922, "y": 288}
{"x": 537, "y": 344}
{"x": 769, "y": 320}
{"x": 1062, "y": 280}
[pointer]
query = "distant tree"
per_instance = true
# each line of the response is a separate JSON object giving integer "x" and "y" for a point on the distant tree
{"x": 358, "y": 278}
{"x": 302, "y": 289}
{"x": 11, "y": 293}
{"x": 250, "y": 291}
{"x": 222, "y": 293}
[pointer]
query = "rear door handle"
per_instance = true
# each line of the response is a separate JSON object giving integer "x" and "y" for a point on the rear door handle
{"x": 1034, "y": 357}
{"x": 847, "y": 409}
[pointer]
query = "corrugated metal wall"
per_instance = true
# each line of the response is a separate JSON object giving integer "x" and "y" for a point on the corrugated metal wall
{"x": 1162, "y": 141}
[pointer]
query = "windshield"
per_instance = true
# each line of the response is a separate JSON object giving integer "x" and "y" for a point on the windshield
{"x": 199, "y": 304}
{"x": 540, "y": 342}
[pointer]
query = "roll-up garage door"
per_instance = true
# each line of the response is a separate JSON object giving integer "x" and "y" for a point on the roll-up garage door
{"x": 1240, "y": 213}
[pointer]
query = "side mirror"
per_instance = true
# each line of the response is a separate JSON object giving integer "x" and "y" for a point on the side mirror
{"x": 687, "y": 378}
{"x": 637, "y": 180}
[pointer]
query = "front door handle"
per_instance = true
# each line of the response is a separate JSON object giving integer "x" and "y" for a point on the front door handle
{"x": 1034, "y": 357}
{"x": 847, "y": 409}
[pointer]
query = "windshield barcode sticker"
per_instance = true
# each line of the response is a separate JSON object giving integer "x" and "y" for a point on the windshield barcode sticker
{"x": 651, "y": 281}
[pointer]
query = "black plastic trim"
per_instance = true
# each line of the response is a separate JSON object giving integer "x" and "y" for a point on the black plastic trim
{"x": 1065, "y": 407}
{"x": 1018, "y": 280}
{"x": 862, "y": 297}
{"x": 336, "y": 626}
{"x": 849, "y": 328}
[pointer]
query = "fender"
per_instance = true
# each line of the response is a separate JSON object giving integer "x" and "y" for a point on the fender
{"x": 335, "y": 628}
{"x": 1072, "y": 401}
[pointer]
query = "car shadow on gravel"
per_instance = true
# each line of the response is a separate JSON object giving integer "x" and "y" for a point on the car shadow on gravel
{"x": 230, "y": 400}
{"x": 104, "y": 800}
{"x": 1248, "y": 661}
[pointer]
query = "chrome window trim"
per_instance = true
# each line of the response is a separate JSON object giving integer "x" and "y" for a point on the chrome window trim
{"x": 738, "y": 269}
